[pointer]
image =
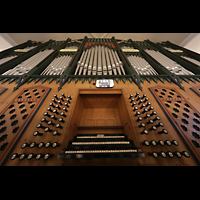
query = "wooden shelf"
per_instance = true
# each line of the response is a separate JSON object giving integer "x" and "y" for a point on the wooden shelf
{"x": 100, "y": 127}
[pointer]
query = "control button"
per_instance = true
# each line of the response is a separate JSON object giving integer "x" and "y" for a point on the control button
{"x": 55, "y": 133}
{"x": 133, "y": 104}
{"x": 61, "y": 120}
{"x": 170, "y": 154}
{"x": 141, "y": 101}
{"x": 38, "y": 156}
{"x": 50, "y": 123}
{"x": 55, "y": 144}
{"x": 150, "y": 121}
{"x": 55, "y": 111}
{"x": 47, "y": 156}
{"x": 46, "y": 114}
{"x": 163, "y": 131}
{"x": 24, "y": 145}
{"x": 151, "y": 108}
{"x": 58, "y": 126}
{"x": 156, "y": 118}
{"x": 185, "y": 153}
{"x": 33, "y": 144}
{"x": 60, "y": 103}
{"x": 163, "y": 154}
{"x": 49, "y": 109}
{"x": 132, "y": 99}
{"x": 15, "y": 155}
{"x": 142, "y": 106}
{"x": 146, "y": 143}
{"x": 153, "y": 113}
{"x": 66, "y": 104}
{"x": 68, "y": 100}
{"x": 22, "y": 156}
{"x": 144, "y": 95}
{"x": 175, "y": 142}
{"x": 153, "y": 128}
{"x": 63, "y": 114}
{"x": 148, "y": 104}
{"x": 168, "y": 143}
{"x": 139, "y": 97}
{"x": 48, "y": 144}
{"x": 40, "y": 126}
{"x": 51, "y": 104}
{"x": 159, "y": 124}
{"x": 37, "y": 133}
{"x": 161, "y": 142}
{"x": 178, "y": 154}
{"x": 142, "y": 125}
{"x": 145, "y": 110}
{"x": 43, "y": 120}
{"x": 30, "y": 156}
{"x": 146, "y": 99}
{"x": 131, "y": 95}
{"x": 62, "y": 94}
{"x": 139, "y": 119}
{"x": 135, "y": 108}
{"x": 65, "y": 109}
{"x": 154, "y": 143}
{"x": 137, "y": 93}
{"x": 145, "y": 132}
{"x": 147, "y": 116}
{"x": 61, "y": 98}
{"x": 47, "y": 129}
{"x": 154, "y": 154}
{"x": 55, "y": 96}
{"x": 40, "y": 145}
{"x": 53, "y": 117}
{"x": 54, "y": 100}
{"x": 137, "y": 113}
{"x": 57, "y": 107}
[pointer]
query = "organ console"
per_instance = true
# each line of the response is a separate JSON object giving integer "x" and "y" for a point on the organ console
{"x": 95, "y": 101}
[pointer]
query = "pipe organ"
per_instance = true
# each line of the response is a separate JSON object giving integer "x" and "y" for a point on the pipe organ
{"x": 95, "y": 101}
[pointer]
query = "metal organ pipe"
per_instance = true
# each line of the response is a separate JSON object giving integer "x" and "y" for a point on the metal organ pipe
{"x": 3, "y": 60}
{"x": 116, "y": 63}
{"x": 120, "y": 63}
{"x": 112, "y": 62}
{"x": 99, "y": 60}
{"x": 82, "y": 64}
{"x": 79, "y": 62}
{"x": 108, "y": 62}
{"x": 171, "y": 65}
{"x": 57, "y": 66}
{"x": 94, "y": 69}
{"x": 28, "y": 64}
{"x": 192, "y": 60}
{"x": 91, "y": 61}
{"x": 99, "y": 70}
{"x": 66, "y": 64}
{"x": 86, "y": 62}
{"x": 104, "y": 61}
{"x": 141, "y": 66}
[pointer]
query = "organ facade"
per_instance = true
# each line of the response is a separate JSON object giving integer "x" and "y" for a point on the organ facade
{"x": 95, "y": 101}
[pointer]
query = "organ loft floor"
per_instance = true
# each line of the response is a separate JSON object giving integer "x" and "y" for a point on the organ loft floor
{"x": 109, "y": 114}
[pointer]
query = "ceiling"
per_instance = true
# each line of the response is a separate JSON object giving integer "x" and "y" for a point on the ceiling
{"x": 177, "y": 38}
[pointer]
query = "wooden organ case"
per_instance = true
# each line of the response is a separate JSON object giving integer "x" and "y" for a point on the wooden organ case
{"x": 53, "y": 112}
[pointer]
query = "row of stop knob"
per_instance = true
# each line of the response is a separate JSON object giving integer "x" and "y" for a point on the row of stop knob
{"x": 143, "y": 101}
